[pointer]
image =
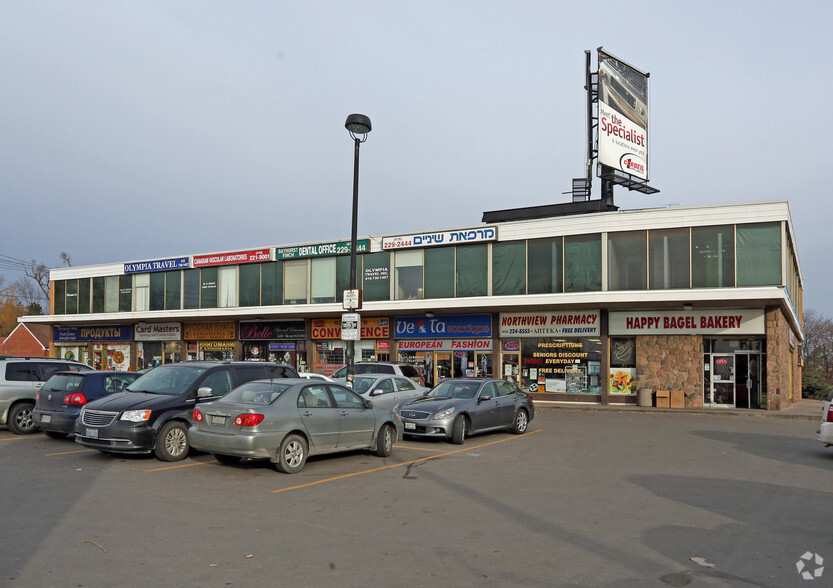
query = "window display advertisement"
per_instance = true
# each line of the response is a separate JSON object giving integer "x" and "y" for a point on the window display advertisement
{"x": 557, "y": 352}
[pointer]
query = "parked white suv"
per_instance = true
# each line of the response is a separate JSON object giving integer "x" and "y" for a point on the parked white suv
{"x": 20, "y": 380}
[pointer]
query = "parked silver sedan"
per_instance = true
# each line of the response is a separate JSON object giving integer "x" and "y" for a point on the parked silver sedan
{"x": 288, "y": 420}
{"x": 459, "y": 407}
{"x": 387, "y": 390}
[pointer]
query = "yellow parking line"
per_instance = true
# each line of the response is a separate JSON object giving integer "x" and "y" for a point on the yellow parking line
{"x": 421, "y": 448}
{"x": 68, "y": 452}
{"x": 184, "y": 465}
{"x": 18, "y": 438}
{"x": 399, "y": 465}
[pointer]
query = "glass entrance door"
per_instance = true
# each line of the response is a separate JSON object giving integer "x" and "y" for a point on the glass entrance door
{"x": 748, "y": 380}
{"x": 444, "y": 366}
{"x": 723, "y": 379}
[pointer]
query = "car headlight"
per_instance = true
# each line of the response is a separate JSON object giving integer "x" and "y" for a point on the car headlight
{"x": 135, "y": 416}
{"x": 443, "y": 414}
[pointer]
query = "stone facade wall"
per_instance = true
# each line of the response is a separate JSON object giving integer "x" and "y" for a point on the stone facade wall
{"x": 781, "y": 363}
{"x": 670, "y": 362}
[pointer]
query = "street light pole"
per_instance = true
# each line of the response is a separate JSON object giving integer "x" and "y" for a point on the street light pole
{"x": 359, "y": 126}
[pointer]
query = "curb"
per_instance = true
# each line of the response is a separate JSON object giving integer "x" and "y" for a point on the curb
{"x": 630, "y": 408}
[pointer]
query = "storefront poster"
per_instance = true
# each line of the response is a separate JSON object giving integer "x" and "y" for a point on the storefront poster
{"x": 422, "y": 327}
{"x": 688, "y": 322}
{"x": 583, "y": 323}
{"x": 622, "y": 380}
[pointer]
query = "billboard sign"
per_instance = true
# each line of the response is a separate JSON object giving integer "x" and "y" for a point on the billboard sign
{"x": 623, "y": 116}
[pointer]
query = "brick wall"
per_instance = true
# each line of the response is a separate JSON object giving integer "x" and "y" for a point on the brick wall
{"x": 781, "y": 364}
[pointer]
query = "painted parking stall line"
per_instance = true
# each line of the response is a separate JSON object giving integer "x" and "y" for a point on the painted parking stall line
{"x": 404, "y": 463}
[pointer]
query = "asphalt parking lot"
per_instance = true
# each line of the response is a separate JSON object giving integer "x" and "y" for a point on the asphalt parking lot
{"x": 585, "y": 498}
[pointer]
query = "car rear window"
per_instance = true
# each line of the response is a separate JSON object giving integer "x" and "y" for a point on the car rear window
{"x": 410, "y": 371}
{"x": 280, "y": 371}
{"x": 64, "y": 383}
{"x": 257, "y": 392}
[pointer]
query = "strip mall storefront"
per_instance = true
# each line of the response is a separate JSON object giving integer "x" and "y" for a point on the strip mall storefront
{"x": 278, "y": 341}
{"x": 446, "y": 346}
{"x": 213, "y": 340}
{"x": 103, "y": 347}
{"x": 157, "y": 344}
{"x": 329, "y": 349}
{"x": 718, "y": 356}
{"x": 556, "y": 353}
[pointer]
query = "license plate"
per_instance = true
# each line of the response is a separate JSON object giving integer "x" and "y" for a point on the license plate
{"x": 47, "y": 418}
{"x": 410, "y": 426}
{"x": 218, "y": 421}
{"x": 92, "y": 433}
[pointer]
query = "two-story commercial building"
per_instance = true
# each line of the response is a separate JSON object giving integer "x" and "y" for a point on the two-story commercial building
{"x": 590, "y": 307}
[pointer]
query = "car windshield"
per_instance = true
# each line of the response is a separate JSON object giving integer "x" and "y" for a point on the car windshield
{"x": 170, "y": 380}
{"x": 362, "y": 384}
{"x": 454, "y": 389}
{"x": 257, "y": 392}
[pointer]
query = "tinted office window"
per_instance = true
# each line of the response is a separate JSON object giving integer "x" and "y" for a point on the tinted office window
{"x": 668, "y": 256}
{"x": 545, "y": 266}
{"x": 472, "y": 270}
{"x": 627, "y": 261}
{"x": 439, "y": 272}
{"x": 713, "y": 257}
{"x": 508, "y": 268}
{"x": 759, "y": 254}
{"x": 583, "y": 263}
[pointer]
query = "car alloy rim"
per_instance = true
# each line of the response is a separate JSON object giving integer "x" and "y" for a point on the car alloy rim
{"x": 388, "y": 440}
{"x": 522, "y": 421}
{"x": 175, "y": 441}
{"x": 25, "y": 420}
{"x": 294, "y": 453}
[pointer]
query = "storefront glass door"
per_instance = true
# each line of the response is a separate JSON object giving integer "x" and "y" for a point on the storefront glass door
{"x": 723, "y": 380}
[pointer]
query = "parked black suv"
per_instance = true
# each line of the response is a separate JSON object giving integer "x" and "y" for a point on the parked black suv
{"x": 154, "y": 412}
{"x": 20, "y": 380}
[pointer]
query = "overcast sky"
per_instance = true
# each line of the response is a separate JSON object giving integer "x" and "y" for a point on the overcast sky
{"x": 134, "y": 130}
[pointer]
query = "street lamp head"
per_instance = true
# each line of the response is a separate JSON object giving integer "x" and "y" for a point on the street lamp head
{"x": 358, "y": 124}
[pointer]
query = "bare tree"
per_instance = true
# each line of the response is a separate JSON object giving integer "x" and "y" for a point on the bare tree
{"x": 65, "y": 257}
{"x": 818, "y": 353}
{"x": 39, "y": 274}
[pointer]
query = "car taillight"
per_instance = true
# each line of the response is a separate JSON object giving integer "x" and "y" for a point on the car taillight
{"x": 37, "y": 397}
{"x": 75, "y": 398}
{"x": 829, "y": 417}
{"x": 197, "y": 416}
{"x": 248, "y": 420}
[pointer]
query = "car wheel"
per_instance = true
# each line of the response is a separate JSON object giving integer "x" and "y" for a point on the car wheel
{"x": 20, "y": 420}
{"x": 228, "y": 459}
{"x": 458, "y": 430}
{"x": 384, "y": 441}
{"x": 521, "y": 422}
{"x": 55, "y": 434}
{"x": 172, "y": 442}
{"x": 292, "y": 454}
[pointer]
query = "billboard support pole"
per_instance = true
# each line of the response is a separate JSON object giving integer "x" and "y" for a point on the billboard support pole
{"x": 588, "y": 84}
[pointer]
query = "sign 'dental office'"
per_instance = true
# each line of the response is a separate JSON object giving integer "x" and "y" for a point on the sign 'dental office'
{"x": 321, "y": 249}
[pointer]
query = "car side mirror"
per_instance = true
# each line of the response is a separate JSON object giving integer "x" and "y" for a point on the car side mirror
{"x": 205, "y": 392}
{"x": 368, "y": 403}
{"x": 485, "y": 397}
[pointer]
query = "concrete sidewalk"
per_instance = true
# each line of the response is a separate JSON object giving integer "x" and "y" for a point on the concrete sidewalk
{"x": 804, "y": 409}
